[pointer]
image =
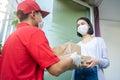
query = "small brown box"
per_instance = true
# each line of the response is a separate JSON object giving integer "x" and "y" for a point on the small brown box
{"x": 66, "y": 49}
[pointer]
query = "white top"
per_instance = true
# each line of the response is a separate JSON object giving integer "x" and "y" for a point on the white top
{"x": 96, "y": 48}
{"x": 88, "y": 48}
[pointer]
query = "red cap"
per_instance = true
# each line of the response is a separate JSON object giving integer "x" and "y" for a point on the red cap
{"x": 27, "y": 6}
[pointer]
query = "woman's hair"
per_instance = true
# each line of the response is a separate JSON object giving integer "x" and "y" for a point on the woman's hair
{"x": 90, "y": 30}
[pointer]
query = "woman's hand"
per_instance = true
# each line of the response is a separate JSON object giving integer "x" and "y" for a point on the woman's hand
{"x": 93, "y": 62}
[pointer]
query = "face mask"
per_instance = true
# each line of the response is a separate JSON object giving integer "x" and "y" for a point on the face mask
{"x": 40, "y": 25}
{"x": 83, "y": 29}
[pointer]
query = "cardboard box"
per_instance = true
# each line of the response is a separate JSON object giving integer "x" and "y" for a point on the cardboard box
{"x": 66, "y": 49}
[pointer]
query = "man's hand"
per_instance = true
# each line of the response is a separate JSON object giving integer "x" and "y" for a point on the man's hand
{"x": 76, "y": 59}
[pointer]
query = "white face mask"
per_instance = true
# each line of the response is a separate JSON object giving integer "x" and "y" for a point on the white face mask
{"x": 83, "y": 29}
{"x": 40, "y": 25}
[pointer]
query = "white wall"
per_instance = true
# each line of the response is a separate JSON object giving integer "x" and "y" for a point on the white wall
{"x": 110, "y": 31}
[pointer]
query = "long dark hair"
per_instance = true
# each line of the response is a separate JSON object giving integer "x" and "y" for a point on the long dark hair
{"x": 90, "y": 31}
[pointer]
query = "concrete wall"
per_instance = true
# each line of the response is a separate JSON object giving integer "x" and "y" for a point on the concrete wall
{"x": 110, "y": 31}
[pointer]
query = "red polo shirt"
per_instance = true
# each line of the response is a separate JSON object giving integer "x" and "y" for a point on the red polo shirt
{"x": 25, "y": 55}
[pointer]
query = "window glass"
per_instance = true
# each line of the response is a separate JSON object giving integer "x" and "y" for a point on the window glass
{"x": 3, "y": 13}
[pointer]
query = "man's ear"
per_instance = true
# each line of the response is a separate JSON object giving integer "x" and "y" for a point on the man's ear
{"x": 32, "y": 14}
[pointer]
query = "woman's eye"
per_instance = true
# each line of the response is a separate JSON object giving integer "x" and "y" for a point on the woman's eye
{"x": 82, "y": 23}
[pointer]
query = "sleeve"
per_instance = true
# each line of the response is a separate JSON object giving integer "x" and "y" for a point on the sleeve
{"x": 103, "y": 54}
{"x": 40, "y": 50}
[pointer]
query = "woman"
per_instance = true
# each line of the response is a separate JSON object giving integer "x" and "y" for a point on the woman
{"x": 94, "y": 47}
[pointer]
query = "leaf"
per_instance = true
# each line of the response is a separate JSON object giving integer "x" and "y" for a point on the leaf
{"x": 15, "y": 19}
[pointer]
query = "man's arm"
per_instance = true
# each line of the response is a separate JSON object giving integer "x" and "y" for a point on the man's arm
{"x": 64, "y": 64}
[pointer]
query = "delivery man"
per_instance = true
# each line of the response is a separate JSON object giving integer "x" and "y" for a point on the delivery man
{"x": 26, "y": 53}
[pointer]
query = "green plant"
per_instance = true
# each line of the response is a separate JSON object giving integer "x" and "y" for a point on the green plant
{"x": 15, "y": 19}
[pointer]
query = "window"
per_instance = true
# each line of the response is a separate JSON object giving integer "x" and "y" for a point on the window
{"x": 7, "y": 16}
